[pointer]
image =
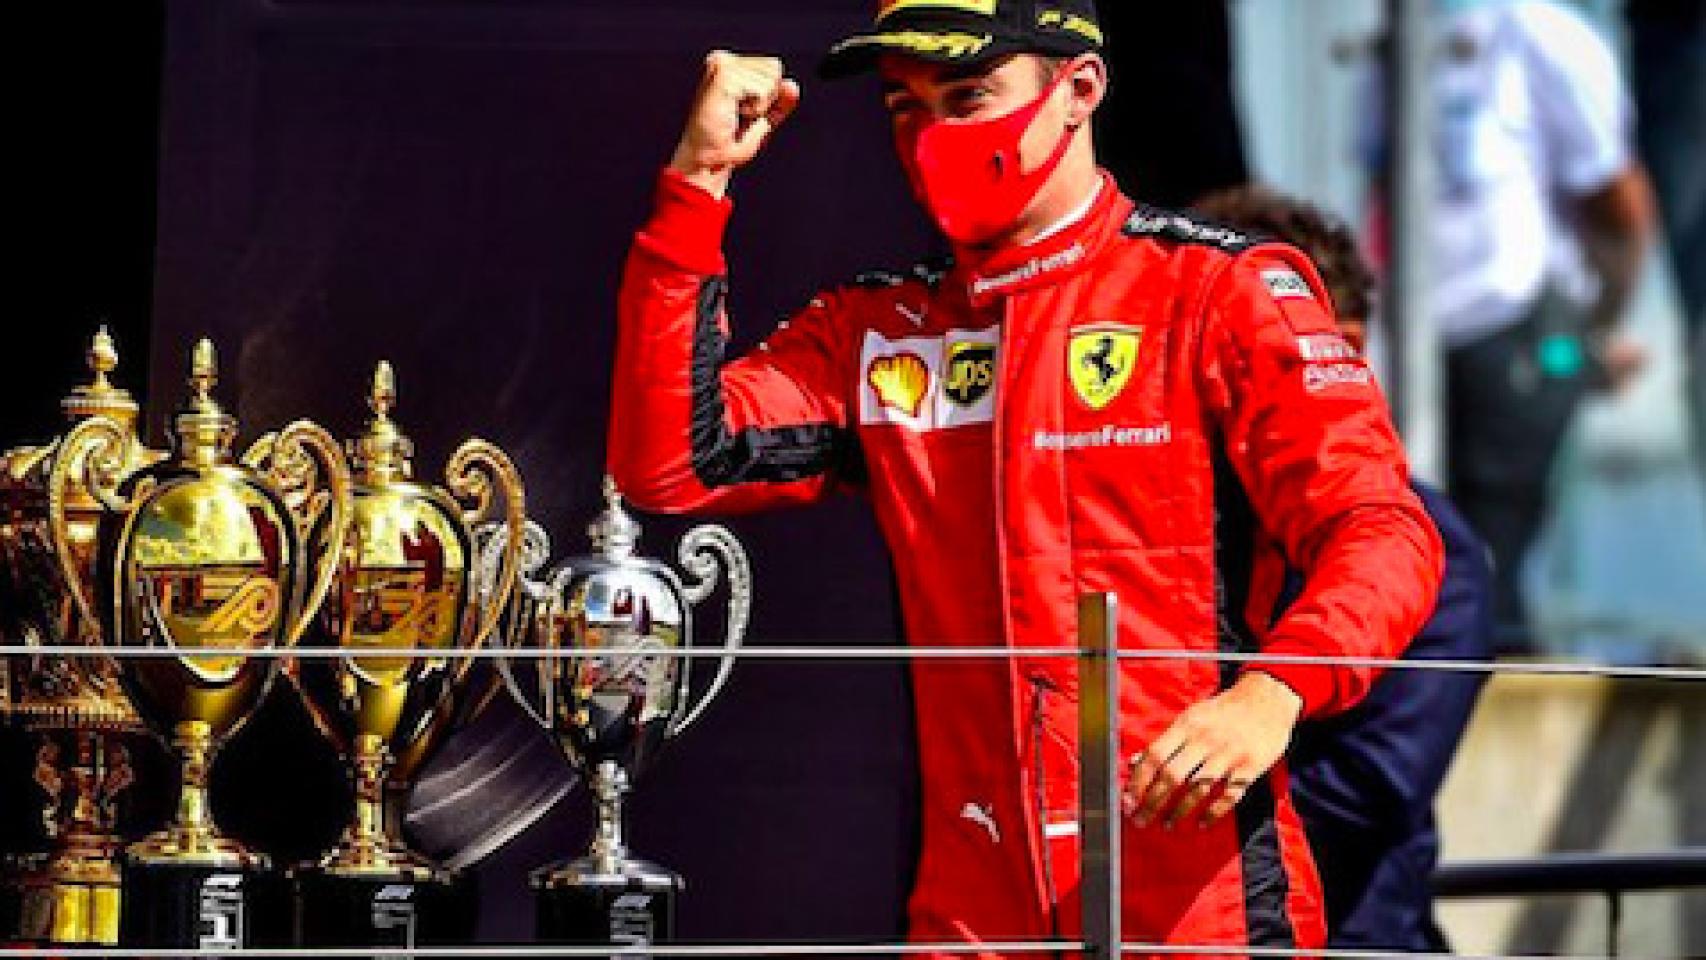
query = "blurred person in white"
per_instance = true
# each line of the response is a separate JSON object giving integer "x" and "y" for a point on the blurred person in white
{"x": 1541, "y": 221}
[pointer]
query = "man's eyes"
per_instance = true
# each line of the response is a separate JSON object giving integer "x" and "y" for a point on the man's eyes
{"x": 964, "y": 100}
{"x": 957, "y": 102}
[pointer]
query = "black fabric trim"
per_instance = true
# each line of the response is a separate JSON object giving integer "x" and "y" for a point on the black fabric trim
{"x": 1156, "y": 223}
{"x": 784, "y": 454}
{"x": 1266, "y": 884}
{"x": 928, "y": 271}
{"x": 1234, "y": 563}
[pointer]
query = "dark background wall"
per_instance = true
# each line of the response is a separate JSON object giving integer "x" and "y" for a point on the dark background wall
{"x": 451, "y": 185}
{"x": 82, "y": 101}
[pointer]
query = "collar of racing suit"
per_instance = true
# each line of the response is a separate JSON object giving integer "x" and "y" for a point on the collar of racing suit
{"x": 989, "y": 275}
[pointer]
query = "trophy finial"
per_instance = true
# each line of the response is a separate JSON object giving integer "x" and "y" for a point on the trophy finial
{"x": 614, "y": 534}
{"x": 204, "y": 372}
{"x": 384, "y": 396}
{"x": 103, "y": 358}
{"x": 99, "y": 398}
{"x": 383, "y": 452}
{"x": 204, "y": 430}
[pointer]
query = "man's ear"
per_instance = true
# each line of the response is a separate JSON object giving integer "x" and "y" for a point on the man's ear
{"x": 1087, "y": 84}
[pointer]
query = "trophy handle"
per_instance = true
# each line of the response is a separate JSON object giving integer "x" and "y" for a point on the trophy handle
{"x": 540, "y": 604}
{"x": 704, "y": 553}
{"x": 297, "y": 459}
{"x": 474, "y": 473}
{"x": 489, "y": 546}
{"x": 100, "y": 446}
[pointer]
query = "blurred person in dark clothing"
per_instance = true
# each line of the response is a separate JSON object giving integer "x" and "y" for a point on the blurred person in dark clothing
{"x": 1668, "y": 53}
{"x": 1539, "y": 226}
{"x": 1364, "y": 782}
{"x": 1174, "y": 64}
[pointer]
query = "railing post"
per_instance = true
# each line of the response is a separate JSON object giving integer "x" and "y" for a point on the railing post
{"x": 1613, "y": 922}
{"x": 1099, "y": 762}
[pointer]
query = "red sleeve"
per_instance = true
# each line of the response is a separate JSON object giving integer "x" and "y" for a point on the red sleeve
{"x": 691, "y": 432}
{"x": 1308, "y": 433}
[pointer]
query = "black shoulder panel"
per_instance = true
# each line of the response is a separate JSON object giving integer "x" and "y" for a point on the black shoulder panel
{"x": 879, "y": 279}
{"x": 928, "y": 272}
{"x": 1158, "y": 224}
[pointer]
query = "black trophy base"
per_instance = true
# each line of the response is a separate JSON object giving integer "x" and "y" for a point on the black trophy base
{"x": 193, "y": 906}
{"x": 356, "y": 911}
{"x": 578, "y": 905}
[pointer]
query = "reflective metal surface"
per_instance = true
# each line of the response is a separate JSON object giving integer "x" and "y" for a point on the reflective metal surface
{"x": 611, "y": 714}
{"x": 408, "y": 578}
{"x": 71, "y": 706}
{"x": 199, "y": 552}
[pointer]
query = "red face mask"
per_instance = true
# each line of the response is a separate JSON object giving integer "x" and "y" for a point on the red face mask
{"x": 968, "y": 174}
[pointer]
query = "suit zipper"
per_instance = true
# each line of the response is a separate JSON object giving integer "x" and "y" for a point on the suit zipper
{"x": 1039, "y": 800}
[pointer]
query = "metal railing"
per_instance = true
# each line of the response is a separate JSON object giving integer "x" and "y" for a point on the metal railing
{"x": 1097, "y": 655}
{"x": 1611, "y": 875}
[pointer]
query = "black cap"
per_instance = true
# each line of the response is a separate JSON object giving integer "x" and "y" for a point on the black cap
{"x": 968, "y": 32}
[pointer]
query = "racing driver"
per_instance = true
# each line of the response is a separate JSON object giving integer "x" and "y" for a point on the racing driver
{"x": 1093, "y": 396}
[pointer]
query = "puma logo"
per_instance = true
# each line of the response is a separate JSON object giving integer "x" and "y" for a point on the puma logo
{"x": 984, "y": 816}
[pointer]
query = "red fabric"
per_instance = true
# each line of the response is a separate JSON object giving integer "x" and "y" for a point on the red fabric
{"x": 1001, "y": 506}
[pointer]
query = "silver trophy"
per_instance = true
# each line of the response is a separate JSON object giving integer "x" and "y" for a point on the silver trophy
{"x": 611, "y": 714}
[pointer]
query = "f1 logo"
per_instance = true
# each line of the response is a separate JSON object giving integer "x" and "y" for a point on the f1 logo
{"x": 221, "y": 912}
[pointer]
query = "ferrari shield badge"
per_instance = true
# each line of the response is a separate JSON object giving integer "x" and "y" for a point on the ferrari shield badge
{"x": 1101, "y": 359}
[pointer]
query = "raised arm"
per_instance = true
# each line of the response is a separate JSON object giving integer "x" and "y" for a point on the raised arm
{"x": 689, "y": 431}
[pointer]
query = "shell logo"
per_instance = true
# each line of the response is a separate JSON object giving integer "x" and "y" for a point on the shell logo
{"x": 901, "y": 382}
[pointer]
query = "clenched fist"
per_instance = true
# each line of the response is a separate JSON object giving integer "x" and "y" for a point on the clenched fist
{"x": 741, "y": 101}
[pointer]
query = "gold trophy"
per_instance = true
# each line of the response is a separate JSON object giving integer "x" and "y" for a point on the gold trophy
{"x": 409, "y": 578}
{"x": 202, "y": 563}
{"x": 73, "y": 707}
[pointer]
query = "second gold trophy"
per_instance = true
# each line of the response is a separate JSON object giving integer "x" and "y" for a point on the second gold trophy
{"x": 409, "y": 589}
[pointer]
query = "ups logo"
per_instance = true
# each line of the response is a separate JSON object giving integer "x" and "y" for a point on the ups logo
{"x": 970, "y": 372}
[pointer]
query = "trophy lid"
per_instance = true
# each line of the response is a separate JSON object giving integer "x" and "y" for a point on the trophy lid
{"x": 100, "y": 398}
{"x": 383, "y": 453}
{"x": 614, "y": 533}
{"x": 203, "y": 429}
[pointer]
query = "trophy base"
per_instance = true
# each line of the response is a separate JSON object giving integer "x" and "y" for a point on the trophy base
{"x": 65, "y": 904}
{"x": 579, "y": 903}
{"x": 201, "y": 849}
{"x": 386, "y": 862}
{"x": 191, "y": 905}
{"x": 400, "y": 911}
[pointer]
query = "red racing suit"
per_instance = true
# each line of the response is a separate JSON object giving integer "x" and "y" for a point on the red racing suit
{"x": 1141, "y": 404}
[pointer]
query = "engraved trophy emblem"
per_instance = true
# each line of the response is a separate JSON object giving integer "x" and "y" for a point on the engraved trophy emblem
{"x": 616, "y": 693}
{"x": 201, "y": 566}
{"x": 409, "y": 578}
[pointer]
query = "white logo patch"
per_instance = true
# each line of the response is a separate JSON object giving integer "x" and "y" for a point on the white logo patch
{"x": 1287, "y": 284}
{"x": 928, "y": 383}
{"x": 1030, "y": 270}
{"x": 1319, "y": 347}
{"x": 1320, "y": 376}
{"x": 1108, "y": 436}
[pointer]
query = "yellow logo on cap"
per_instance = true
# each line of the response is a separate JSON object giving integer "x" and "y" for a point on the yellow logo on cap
{"x": 955, "y": 46}
{"x": 1061, "y": 20}
{"x": 1100, "y": 362}
{"x": 985, "y": 7}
